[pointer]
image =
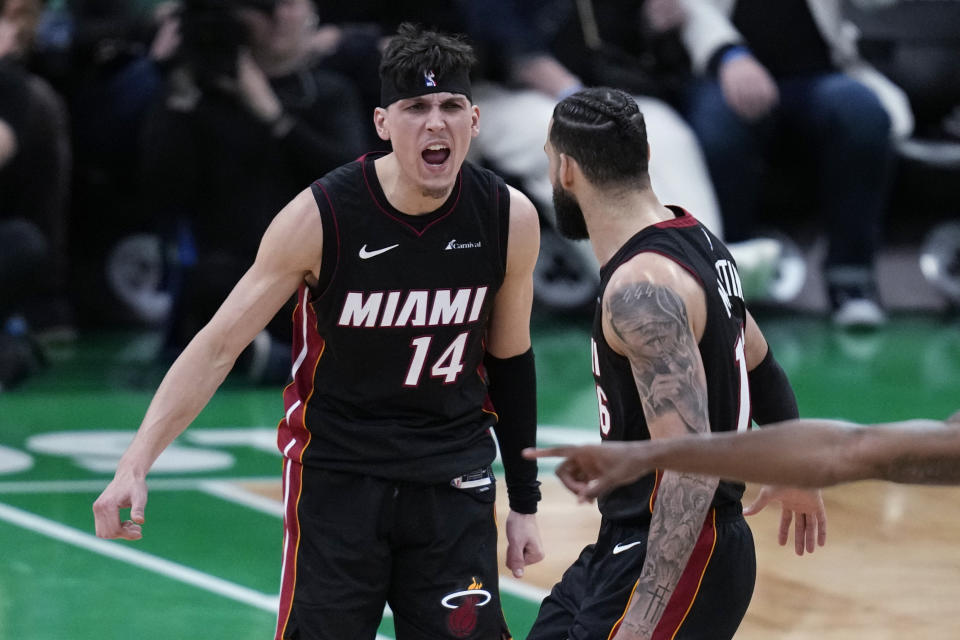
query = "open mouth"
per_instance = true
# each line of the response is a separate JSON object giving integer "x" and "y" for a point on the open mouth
{"x": 435, "y": 154}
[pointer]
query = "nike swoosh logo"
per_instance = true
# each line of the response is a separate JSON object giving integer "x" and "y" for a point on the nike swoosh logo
{"x": 623, "y": 547}
{"x": 366, "y": 255}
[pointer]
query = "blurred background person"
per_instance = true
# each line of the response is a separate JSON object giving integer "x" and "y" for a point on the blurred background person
{"x": 34, "y": 187}
{"x": 24, "y": 248}
{"x": 249, "y": 117}
{"x": 534, "y": 53}
{"x": 791, "y": 70}
{"x": 537, "y": 52}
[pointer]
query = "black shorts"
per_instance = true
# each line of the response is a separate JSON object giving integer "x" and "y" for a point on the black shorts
{"x": 708, "y": 604}
{"x": 353, "y": 543}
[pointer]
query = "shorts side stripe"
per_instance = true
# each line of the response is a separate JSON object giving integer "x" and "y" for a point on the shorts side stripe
{"x": 688, "y": 586}
{"x": 292, "y": 485}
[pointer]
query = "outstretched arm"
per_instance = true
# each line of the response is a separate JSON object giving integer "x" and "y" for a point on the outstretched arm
{"x": 203, "y": 365}
{"x": 812, "y": 453}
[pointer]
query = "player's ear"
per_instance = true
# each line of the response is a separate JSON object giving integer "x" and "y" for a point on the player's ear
{"x": 380, "y": 123}
{"x": 474, "y": 121}
{"x": 567, "y": 170}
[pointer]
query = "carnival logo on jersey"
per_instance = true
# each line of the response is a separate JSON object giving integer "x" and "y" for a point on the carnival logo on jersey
{"x": 728, "y": 283}
{"x": 453, "y": 244}
{"x": 463, "y": 619}
{"x": 428, "y": 79}
{"x": 417, "y": 308}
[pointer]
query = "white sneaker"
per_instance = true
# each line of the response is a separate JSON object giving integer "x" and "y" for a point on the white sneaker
{"x": 859, "y": 313}
{"x": 757, "y": 261}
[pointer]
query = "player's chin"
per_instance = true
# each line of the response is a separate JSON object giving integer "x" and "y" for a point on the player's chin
{"x": 437, "y": 188}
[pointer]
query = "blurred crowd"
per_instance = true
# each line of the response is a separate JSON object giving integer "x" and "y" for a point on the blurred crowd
{"x": 145, "y": 144}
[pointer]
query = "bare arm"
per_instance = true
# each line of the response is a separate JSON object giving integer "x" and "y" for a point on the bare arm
{"x": 193, "y": 378}
{"x": 648, "y": 322}
{"x": 508, "y": 336}
{"x": 814, "y": 453}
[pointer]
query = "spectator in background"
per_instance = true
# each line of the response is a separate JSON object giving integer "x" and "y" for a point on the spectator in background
{"x": 18, "y": 22}
{"x": 24, "y": 249}
{"x": 792, "y": 68}
{"x": 94, "y": 53}
{"x": 249, "y": 118}
{"x": 34, "y": 178}
{"x": 539, "y": 51}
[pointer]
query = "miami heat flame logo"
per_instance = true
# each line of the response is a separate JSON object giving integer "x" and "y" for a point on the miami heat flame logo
{"x": 428, "y": 79}
{"x": 463, "y": 619}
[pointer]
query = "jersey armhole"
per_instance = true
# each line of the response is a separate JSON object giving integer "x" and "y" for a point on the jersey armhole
{"x": 502, "y": 202}
{"x": 330, "y": 256}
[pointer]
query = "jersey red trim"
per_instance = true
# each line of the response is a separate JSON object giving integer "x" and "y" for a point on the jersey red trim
{"x": 418, "y": 232}
{"x": 681, "y": 221}
{"x": 293, "y": 436}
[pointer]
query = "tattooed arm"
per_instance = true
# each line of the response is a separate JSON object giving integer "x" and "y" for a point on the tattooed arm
{"x": 648, "y": 323}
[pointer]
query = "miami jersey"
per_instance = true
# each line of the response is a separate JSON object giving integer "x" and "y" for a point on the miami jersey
{"x": 387, "y": 372}
{"x": 702, "y": 255}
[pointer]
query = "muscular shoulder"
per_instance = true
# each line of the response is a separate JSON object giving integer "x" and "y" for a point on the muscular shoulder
{"x": 651, "y": 291}
{"x": 294, "y": 239}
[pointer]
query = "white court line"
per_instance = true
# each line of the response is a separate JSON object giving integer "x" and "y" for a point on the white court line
{"x": 172, "y": 570}
{"x": 94, "y": 486}
{"x": 226, "y": 489}
{"x": 63, "y": 533}
{"x": 245, "y": 497}
{"x": 522, "y": 589}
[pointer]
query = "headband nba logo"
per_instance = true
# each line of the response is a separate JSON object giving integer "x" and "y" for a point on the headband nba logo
{"x": 428, "y": 80}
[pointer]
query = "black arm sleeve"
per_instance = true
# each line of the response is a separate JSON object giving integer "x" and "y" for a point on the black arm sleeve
{"x": 513, "y": 392}
{"x": 771, "y": 395}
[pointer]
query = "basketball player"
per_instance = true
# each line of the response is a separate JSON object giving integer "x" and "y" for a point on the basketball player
{"x": 674, "y": 352}
{"x": 806, "y": 453}
{"x": 413, "y": 271}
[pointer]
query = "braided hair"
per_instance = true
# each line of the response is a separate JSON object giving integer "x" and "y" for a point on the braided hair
{"x": 604, "y": 131}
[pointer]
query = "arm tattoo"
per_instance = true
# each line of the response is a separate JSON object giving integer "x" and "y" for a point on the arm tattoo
{"x": 651, "y": 320}
{"x": 682, "y": 502}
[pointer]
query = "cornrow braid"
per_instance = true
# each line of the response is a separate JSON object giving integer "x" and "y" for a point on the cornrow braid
{"x": 604, "y": 130}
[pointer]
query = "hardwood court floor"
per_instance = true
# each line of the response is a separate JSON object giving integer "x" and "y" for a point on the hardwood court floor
{"x": 209, "y": 562}
{"x": 890, "y": 568}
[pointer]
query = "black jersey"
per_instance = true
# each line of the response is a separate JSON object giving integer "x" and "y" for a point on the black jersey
{"x": 699, "y": 252}
{"x": 388, "y": 347}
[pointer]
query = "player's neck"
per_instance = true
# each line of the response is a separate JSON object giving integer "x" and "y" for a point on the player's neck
{"x": 615, "y": 217}
{"x": 404, "y": 195}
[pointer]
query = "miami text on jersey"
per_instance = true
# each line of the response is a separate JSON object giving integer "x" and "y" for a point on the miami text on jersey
{"x": 417, "y": 308}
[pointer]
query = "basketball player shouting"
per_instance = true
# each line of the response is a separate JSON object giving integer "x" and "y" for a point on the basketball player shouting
{"x": 414, "y": 278}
